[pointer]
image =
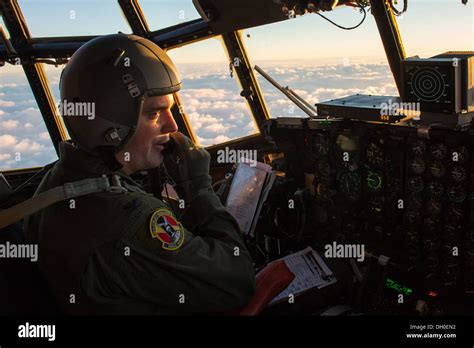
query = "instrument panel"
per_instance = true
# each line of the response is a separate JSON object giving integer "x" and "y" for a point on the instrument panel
{"x": 405, "y": 195}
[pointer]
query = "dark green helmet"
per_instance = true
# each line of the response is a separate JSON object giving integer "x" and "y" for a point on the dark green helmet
{"x": 104, "y": 85}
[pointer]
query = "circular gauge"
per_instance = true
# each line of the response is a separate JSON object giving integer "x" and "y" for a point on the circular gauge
{"x": 379, "y": 231}
{"x": 449, "y": 276}
{"x": 411, "y": 217}
{"x": 439, "y": 151}
{"x": 393, "y": 185}
{"x": 450, "y": 231}
{"x": 433, "y": 207}
{"x": 374, "y": 181}
{"x": 427, "y": 84}
{"x": 412, "y": 236}
{"x": 349, "y": 184}
{"x": 455, "y": 212}
{"x": 418, "y": 149}
{"x": 352, "y": 166}
{"x": 458, "y": 173}
{"x": 471, "y": 217}
{"x": 457, "y": 194}
{"x": 323, "y": 169}
{"x": 435, "y": 189}
{"x": 417, "y": 165}
{"x": 416, "y": 184}
{"x": 437, "y": 169}
{"x": 430, "y": 250}
{"x": 430, "y": 224}
{"x": 376, "y": 204}
{"x": 470, "y": 238}
{"x": 460, "y": 155}
{"x": 320, "y": 144}
{"x": 415, "y": 202}
{"x": 350, "y": 161}
{"x": 374, "y": 154}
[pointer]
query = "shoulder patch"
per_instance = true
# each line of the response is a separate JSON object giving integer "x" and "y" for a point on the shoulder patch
{"x": 167, "y": 229}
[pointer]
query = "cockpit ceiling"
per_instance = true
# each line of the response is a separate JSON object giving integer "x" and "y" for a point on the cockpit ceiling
{"x": 229, "y": 15}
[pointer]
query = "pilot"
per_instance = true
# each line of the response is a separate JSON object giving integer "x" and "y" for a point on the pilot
{"x": 125, "y": 251}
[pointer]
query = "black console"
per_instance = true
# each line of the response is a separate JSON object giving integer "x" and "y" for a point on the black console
{"x": 405, "y": 193}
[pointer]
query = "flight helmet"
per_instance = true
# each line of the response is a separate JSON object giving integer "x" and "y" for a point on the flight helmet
{"x": 104, "y": 85}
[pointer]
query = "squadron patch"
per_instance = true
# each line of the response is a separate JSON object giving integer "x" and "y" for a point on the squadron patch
{"x": 165, "y": 228}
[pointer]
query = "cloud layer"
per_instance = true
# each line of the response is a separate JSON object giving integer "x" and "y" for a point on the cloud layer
{"x": 211, "y": 99}
{"x": 24, "y": 140}
{"x": 322, "y": 83}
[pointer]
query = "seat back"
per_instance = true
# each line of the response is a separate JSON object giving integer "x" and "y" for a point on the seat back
{"x": 23, "y": 290}
{"x": 270, "y": 281}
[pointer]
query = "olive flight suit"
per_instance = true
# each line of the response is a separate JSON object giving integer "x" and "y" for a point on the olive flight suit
{"x": 128, "y": 253}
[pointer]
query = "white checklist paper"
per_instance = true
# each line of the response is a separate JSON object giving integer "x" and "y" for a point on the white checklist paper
{"x": 310, "y": 271}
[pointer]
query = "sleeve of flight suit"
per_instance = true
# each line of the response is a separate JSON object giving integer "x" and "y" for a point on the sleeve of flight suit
{"x": 203, "y": 271}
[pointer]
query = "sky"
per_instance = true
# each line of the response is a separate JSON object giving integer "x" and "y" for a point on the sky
{"x": 310, "y": 55}
{"x": 429, "y": 26}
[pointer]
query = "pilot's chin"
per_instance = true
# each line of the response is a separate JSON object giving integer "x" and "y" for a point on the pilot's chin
{"x": 157, "y": 159}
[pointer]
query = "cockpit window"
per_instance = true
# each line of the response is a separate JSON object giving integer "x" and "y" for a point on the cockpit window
{"x": 165, "y": 13}
{"x": 51, "y": 18}
{"x": 24, "y": 139}
{"x": 321, "y": 62}
{"x": 429, "y": 28}
{"x": 53, "y": 73}
{"x": 210, "y": 96}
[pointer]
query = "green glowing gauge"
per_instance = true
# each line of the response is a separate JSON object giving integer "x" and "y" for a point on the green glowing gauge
{"x": 392, "y": 284}
{"x": 374, "y": 181}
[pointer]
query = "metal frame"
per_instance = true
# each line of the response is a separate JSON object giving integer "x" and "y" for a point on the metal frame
{"x": 135, "y": 17}
{"x": 237, "y": 53}
{"x": 391, "y": 38}
{"x": 182, "y": 122}
{"x": 64, "y": 47}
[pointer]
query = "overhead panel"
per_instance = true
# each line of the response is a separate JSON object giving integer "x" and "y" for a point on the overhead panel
{"x": 230, "y": 15}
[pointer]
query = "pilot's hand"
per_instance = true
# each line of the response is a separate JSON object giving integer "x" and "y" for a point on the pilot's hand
{"x": 188, "y": 166}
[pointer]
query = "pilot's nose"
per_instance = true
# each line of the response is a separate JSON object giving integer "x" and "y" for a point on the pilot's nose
{"x": 168, "y": 124}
